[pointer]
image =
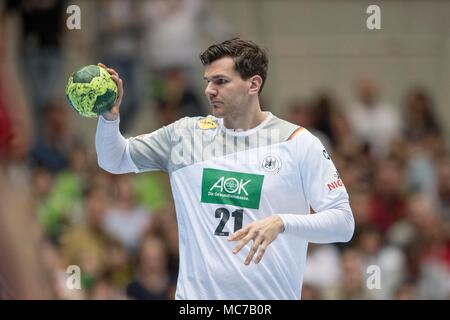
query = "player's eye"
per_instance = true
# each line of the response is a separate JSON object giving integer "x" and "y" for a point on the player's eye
{"x": 220, "y": 81}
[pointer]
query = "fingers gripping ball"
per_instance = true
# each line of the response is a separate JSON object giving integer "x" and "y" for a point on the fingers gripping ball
{"x": 91, "y": 91}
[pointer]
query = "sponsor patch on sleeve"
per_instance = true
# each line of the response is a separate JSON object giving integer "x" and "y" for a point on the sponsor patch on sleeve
{"x": 335, "y": 182}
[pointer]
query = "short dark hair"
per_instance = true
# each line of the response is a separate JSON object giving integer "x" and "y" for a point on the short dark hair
{"x": 249, "y": 58}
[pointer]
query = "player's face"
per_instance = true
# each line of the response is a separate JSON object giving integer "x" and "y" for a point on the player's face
{"x": 227, "y": 93}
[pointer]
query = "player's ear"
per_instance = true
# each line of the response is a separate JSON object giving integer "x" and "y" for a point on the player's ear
{"x": 255, "y": 84}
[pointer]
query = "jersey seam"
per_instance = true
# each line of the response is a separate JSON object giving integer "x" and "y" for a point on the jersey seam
{"x": 128, "y": 156}
{"x": 300, "y": 166}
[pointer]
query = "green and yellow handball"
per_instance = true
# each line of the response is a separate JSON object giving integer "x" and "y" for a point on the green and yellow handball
{"x": 91, "y": 91}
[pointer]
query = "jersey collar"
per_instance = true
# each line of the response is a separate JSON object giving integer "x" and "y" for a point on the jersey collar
{"x": 231, "y": 132}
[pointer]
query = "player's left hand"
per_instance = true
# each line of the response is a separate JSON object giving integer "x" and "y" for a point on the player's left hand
{"x": 262, "y": 232}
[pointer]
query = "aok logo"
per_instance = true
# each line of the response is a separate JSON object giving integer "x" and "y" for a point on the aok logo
{"x": 230, "y": 185}
{"x": 233, "y": 188}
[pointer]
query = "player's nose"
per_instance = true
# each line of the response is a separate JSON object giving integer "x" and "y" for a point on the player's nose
{"x": 210, "y": 91}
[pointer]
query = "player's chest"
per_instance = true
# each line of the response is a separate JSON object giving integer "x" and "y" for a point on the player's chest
{"x": 243, "y": 178}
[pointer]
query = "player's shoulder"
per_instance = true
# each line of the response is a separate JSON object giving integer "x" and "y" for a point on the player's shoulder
{"x": 290, "y": 131}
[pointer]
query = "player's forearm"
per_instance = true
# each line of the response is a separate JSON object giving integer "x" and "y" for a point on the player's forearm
{"x": 332, "y": 225}
{"x": 111, "y": 147}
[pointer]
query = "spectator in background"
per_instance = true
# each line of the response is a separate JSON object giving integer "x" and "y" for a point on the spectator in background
{"x": 41, "y": 25}
{"x": 387, "y": 203}
{"x": 104, "y": 289}
{"x": 165, "y": 227}
{"x": 360, "y": 207}
{"x": 406, "y": 291}
{"x": 310, "y": 292}
{"x": 152, "y": 278}
{"x": 173, "y": 31}
{"x": 52, "y": 150}
{"x": 127, "y": 220}
{"x": 176, "y": 97}
{"x": 86, "y": 244}
{"x": 421, "y": 174}
{"x": 343, "y": 138}
{"x": 56, "y": 266}
{"x": 433, "y": 252}
{"x": 375, "y": 123}
{"x": 443, "y": 189}
{"x": 324, "y": 107}
{"x": 300, "y": 113}
{"x": 424, "y": 143}
{"x": 420, "y": 120}
{"x": 104, "y": 262}
{"x": 42, "y": 183}
{"x": 117, "y": 44}
{"x": 351, "y": 284}
{"x": 322, "y": 268}
{"x": 388, "y": 258}
{"x": 60, "y": 195}
{"x": 120, "y": 264}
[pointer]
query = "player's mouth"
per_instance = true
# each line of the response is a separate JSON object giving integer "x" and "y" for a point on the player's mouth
{"x": 215, "y": 104}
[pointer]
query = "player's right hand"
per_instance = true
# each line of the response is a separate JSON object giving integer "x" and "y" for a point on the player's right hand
{"x": 113, "y": 113}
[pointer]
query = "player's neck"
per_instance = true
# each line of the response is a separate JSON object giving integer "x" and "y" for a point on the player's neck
{"x": 245, "y": 121}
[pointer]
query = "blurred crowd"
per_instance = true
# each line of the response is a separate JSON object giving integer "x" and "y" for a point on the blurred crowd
{"x": 57, "y": 208}
{"x": 395, "y": 163}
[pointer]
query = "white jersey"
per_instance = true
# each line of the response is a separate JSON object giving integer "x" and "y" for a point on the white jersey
{"x": 223, "y": 180}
